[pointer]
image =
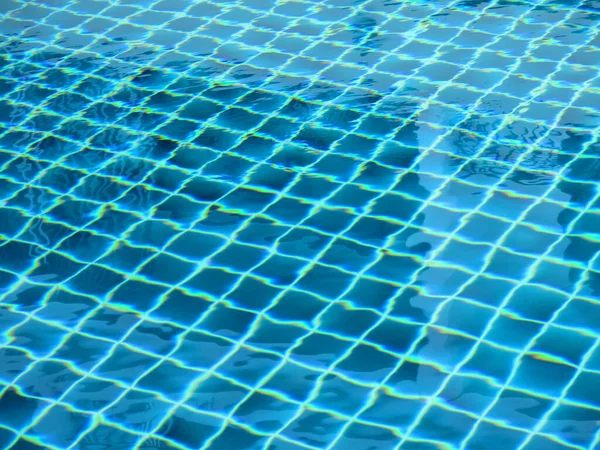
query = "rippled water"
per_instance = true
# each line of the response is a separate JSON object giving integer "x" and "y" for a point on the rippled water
{"x": 290, "y": 225}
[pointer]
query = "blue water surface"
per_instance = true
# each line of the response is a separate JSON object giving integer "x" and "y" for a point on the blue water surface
{"x": 300, "y": 224}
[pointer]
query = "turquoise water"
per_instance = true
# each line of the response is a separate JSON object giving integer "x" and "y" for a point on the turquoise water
{"x": 299, "y": 225}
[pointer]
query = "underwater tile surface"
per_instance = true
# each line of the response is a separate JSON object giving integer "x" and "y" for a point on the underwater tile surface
{"x": 300, "y": 225}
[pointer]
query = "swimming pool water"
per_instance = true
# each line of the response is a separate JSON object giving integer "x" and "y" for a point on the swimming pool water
{"x": 288, "y": 225}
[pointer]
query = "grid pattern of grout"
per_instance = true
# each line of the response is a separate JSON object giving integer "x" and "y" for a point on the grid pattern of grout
{"x": 299, "y": 225}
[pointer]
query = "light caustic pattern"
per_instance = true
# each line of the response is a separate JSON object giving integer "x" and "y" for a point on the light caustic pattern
{"x": 294, "y": 225}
